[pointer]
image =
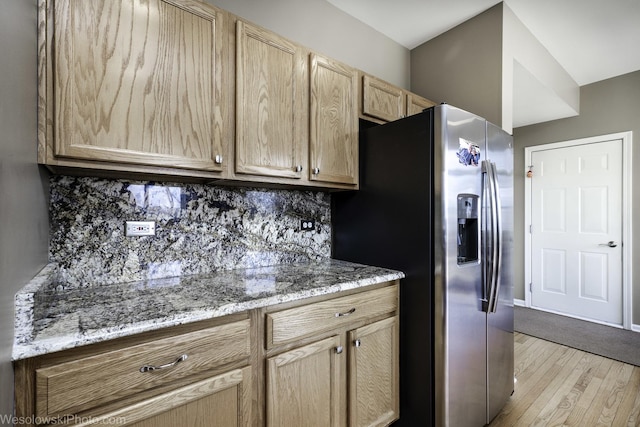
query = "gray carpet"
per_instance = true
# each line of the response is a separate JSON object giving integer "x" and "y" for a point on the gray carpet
{"x": 614, "y": 343}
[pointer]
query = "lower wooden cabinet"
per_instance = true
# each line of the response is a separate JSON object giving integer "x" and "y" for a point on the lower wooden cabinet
{"x": 350, "y": 378}
{"x": 189, "y": 375}
{"x": 329, "y": 361}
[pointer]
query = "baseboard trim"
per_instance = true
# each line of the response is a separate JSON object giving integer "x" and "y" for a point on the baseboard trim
{"x": 521, "y": 303}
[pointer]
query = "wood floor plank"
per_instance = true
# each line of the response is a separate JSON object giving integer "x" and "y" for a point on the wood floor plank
{"x": 529, "y": 385}
{"x": 591, "y": 387}
{"x": 561, "y": 386}
{"x": 608, "y": 387}
{"x": 563, "y": 375}
{"x": 634, "y": 415}
{"x": 569, "y": 393}
{"x": 624, "y": 414}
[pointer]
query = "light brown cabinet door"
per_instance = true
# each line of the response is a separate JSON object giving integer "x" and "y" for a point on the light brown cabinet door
{"x": 303, "y": 385}
{"x": 270, "y": 113}
{"x": 138, "y": 82}
{"x": 415, "y": 104}
{"x": 333, "y": 140}
{"x": 221, "y": 401}
{"x": 373, "y": 374}
{"x": 382, "y": 100}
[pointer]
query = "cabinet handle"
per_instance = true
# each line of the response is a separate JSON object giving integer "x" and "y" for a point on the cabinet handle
{"x": 299, "y": 168}
{"x": 346, "y": 313}
{"x": 150, "y": 368}
{"x": 339, "y": 349}
{"x": 357, "y": 343}
{"x": 218, "y": 159}
{"x": 316, "y": 171}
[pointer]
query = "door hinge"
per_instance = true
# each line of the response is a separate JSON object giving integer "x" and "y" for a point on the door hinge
{"x": 530, "y": 287}
{"x": 530, "y": 229}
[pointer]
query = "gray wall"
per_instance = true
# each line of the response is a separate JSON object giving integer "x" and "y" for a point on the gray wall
{"x": 606, "y": 107}
{"x": 320, "y": 26}
{"x": 23, "y": 186}
{"x": 463, "y": 67}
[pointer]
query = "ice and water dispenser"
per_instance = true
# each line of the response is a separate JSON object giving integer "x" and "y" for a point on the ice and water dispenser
{"x": 467, "y": 228}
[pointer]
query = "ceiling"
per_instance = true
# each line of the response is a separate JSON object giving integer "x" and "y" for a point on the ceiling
{"x": 592, "y": 40}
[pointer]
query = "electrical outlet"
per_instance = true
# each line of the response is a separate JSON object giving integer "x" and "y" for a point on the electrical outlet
{"x": 307, "y": 225}
{"x": 140, "y": 228}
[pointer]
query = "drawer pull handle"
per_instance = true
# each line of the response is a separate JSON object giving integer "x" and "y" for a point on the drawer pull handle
{"x": 150, "y": 368}
{"x": 346, "y": 313}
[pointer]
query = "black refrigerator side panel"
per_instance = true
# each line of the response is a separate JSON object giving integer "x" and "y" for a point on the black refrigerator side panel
{"x": 388, "y": 223}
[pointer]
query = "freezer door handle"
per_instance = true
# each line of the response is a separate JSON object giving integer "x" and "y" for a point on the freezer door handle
{"x": 492, "y": 276}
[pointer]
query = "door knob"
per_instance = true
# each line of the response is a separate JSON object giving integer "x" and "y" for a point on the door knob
{"x": 610, "y": 243}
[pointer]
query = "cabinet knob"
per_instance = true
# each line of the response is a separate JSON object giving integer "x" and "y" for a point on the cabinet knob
{"x": 339, "y": 349}
{"x": 357, "y": 343}
{"x": 218, "y": 159}
{"x": 299, "y": 168}
{"x": 316, "y": 171}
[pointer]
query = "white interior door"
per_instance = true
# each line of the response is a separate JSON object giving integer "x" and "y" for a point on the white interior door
{"x": 576, "y": 211}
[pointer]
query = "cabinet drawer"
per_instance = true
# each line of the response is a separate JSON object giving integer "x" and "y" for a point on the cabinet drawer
{"x": 81, "y": 384}
{"x": 295, "y": 323}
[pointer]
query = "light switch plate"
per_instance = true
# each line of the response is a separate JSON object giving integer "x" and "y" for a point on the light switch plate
{"x": 140, "y": 228}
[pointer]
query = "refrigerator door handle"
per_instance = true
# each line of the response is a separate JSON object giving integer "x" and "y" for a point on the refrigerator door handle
{"x": 496, "y": 259}
{"x": 492, "y": 252}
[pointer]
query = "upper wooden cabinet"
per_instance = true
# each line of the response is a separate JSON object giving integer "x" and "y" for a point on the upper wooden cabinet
{"x": 181, "y": 88}
{"x": 383, "y": 102}
{"x": 415, "y": 104}
{"x": 135, "y": 83}
{"x": 296, "y": 118}
{"x": 270, "y": 108}
{"x": 333, "y": 139}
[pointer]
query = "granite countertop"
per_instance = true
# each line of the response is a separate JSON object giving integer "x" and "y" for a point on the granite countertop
{"x": 51, "y": 317}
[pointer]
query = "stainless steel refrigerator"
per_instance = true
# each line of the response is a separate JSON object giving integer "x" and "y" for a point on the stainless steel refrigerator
{"x": 436, "y": 201}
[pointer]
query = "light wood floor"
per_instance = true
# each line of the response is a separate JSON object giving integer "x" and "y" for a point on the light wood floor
{"x": 561, "y": 386}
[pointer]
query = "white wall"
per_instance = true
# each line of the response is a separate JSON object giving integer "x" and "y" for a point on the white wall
{"x": 320, "y": 26}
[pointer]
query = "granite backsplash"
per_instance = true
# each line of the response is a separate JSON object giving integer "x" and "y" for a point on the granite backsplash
{"x": 199, "y": 229}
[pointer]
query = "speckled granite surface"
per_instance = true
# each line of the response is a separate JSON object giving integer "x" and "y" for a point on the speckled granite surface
{"x": 51, "y": 316}
{"x": 199, "y": 229}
